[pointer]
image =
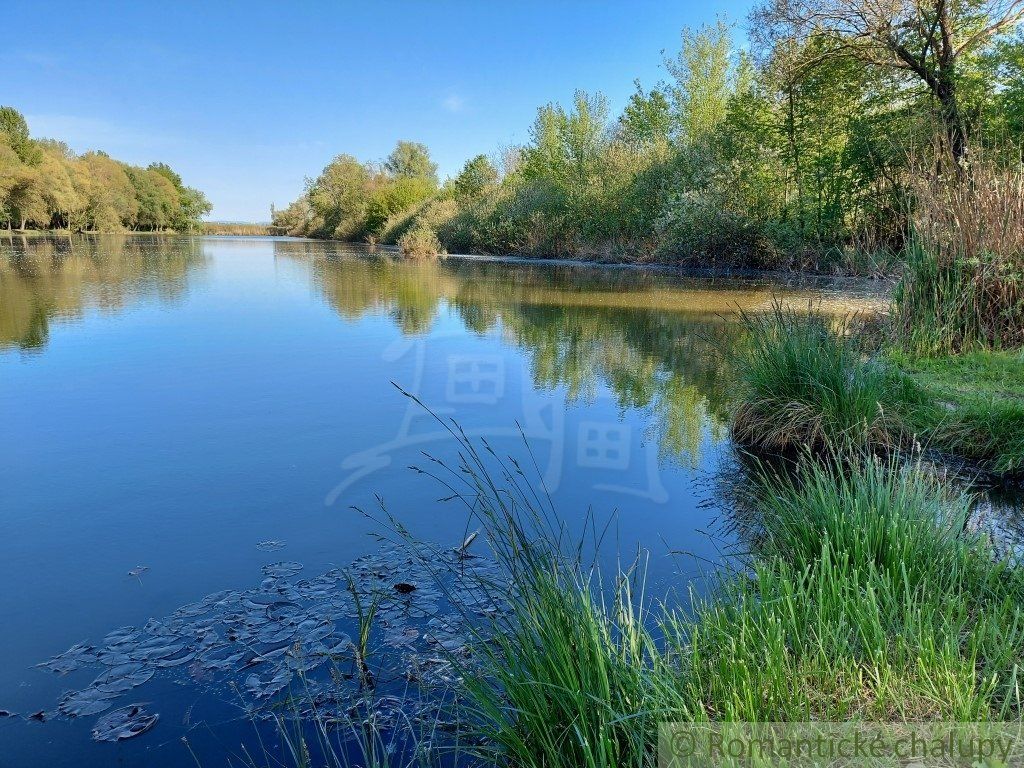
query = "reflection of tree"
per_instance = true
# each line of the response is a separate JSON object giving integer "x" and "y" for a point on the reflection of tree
{"x": 42, "y": 278}
{"x": 657, "y": 343}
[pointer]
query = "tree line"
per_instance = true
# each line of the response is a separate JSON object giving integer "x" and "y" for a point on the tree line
{"x": 44, "y": 185}
{"x": 798, "y": 151}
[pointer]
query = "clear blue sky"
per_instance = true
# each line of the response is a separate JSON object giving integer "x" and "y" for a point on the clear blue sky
{"x": 247, "y": 99}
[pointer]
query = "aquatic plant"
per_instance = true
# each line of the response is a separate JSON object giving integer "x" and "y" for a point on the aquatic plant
{"x": 804, "y": 383}
{"x": 865, "y": 595}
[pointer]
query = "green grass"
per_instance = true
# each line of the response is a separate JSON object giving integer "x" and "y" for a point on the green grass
{"x": 865, "y": 596}
{"x": 976, "y": 405}
{"x": 805, "y": 384}
{"x": 802, "y": 383}
{"x": 867, "y": 600}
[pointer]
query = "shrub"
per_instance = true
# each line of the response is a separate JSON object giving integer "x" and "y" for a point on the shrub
{"x": 420, "y": 241}
{"x": 696, "y": 229}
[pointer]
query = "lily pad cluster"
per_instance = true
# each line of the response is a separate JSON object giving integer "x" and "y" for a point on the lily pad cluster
{"x": 292, "y": 636}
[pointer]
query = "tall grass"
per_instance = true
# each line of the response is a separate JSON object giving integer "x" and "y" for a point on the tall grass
{"x": 869, "y": 599}
{"x": 963, "y": 285}
{"x": 804, "y": 383}
{"x": 864, "y": 595}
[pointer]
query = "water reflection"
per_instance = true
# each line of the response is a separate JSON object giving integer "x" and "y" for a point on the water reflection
{"x": 43, "y": 279}
{"x": 655, "y": 342}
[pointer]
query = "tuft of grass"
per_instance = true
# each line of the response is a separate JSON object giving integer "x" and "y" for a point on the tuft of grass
{"x": 805, "y": 384}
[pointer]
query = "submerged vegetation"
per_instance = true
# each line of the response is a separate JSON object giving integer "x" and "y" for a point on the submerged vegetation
{"x": 805, "y": 154}
{"x": 44, "y": 185}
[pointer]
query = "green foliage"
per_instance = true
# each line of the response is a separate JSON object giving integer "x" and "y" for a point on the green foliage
{"x": 351, "y": 200}
{"x": 796, "y": 157}
{"x": 478, "y": 176}
{"x": 804, "y": 384}
{"x": 411, "y": 160}
{"x": 44, "y": 184}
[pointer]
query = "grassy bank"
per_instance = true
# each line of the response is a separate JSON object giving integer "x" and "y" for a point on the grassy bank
{"x": 863, "y": 598}
{"x": 975, "y": 406}
{"x": 805, "y": 383}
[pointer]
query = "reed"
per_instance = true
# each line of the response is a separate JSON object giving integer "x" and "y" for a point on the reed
{"x": 963, "y": 285}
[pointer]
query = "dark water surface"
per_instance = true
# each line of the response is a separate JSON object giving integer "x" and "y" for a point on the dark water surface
{"x": 171, "y": 403}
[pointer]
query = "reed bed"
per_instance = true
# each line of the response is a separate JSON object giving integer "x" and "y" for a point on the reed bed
{"x": 963, "y": 283}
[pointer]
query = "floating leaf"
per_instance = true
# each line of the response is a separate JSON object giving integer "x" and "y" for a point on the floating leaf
{"x": 125, "y": 723}
{"x": 404, "y": 587}
{"x": 282, "y": 570}
{"x": 271, "y": 545}
{"x": 89, "y": 701}
{"x": 138, "y": 570}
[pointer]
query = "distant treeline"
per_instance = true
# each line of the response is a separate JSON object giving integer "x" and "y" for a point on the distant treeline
{"x": 44, "y": 185}
{"x": 798, "y": 153}
{"x": 239, "y": 228}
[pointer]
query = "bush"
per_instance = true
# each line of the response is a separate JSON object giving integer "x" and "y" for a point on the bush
{"x": 696, "y": 229}
{"x": 420, "y": 242}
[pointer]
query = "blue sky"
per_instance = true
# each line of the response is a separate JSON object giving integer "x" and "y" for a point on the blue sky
{"x": 247, "y": 99}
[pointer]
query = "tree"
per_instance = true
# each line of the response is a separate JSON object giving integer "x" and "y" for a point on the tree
{"x": 647, "y": 118}
{"x": 112, "y": 201}
{"x": 929, "y": 40}
{"x": 411, "y": 160}
{"x": 338, "y": 196}
{"x": 191, "y": 204}
{"x": 14, "y": 127}
{"x": 476, "y": 177}
{"x": 702, "y": 73}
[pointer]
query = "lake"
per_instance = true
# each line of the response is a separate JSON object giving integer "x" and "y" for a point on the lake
{"x": 187, "y": 417}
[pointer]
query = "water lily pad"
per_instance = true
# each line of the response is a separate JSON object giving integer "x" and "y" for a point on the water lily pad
{"x": 89, "y": 701}
{"x": 271, "y": 545}
{"x": 282, "y": 569}
{"x": 125, "y": 723}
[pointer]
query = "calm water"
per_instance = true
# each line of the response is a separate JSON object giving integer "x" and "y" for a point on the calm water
{"x": 171, "y": 403}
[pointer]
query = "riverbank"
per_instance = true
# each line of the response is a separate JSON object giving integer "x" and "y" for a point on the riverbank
{"x": 804, "y": 383}
{"x": 976, "y": 407}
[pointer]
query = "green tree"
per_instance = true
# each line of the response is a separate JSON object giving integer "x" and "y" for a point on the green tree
{"x": 338, "y": 197}
{"x": 477, "y": 176}
{"x": 924, "y": 42}
{"x": 14, "y": 127}
{"x": 411, "y": 160}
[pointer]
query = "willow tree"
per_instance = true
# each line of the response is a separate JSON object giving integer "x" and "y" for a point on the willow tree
{"x": 928, "y": 40}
